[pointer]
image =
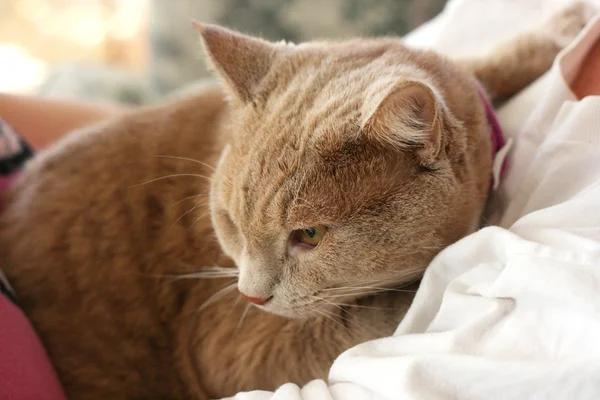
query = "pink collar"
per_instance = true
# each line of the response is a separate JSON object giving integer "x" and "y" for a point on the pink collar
{"x": 498, "y": 139}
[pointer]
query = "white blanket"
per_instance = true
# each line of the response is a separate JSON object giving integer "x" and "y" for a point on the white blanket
{"x": 510, "y": 312}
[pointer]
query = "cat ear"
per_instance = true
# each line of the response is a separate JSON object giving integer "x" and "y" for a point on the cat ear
{"x": 242, "y": 61}
{"x": 406, "y": 116}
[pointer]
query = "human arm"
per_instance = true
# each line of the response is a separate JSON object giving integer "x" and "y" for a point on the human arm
{"x": 44, "y": 120}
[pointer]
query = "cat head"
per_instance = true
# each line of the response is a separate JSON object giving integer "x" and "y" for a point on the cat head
{"x": 349, "y": 166}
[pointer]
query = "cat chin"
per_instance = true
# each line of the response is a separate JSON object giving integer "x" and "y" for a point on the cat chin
{"x": 299, "y": 313}
{"x": 285, "y": 312}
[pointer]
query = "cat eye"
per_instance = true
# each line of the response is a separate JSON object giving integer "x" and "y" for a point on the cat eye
{"x": 310, "y": 236}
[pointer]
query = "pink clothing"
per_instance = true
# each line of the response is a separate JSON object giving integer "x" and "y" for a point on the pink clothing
{"x": 26, "y": 372}
{"x": 5, "y": 182}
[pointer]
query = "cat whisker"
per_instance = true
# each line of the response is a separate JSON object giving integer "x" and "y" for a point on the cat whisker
{"x": 217, "y": 296}
{"x": 198, "y": 275}
{"x": 327, "y": 301}
{"x": 190, "y": 197}
{"x": 324, "y": 314}
{"x": 204, "y": 268}
{"x": 235, "y": 304}
{"x": 369, "y": 307}
{"x": 217, "y": 268}
{"x": 367, "y": 293}
{"x": 198, "y": 204}
{"x": 430, "y": 248}
{"x": 170, "y": 176}
{"x": 355, "y": 320}
{"x": 377, "y": 288}
{"x": 186, "y": 159}
{"x": 243, "y": 316}
{"x": 395, "y": 282}
{"x": 209, "y": 272}
{"x": 195, "y": 161}
{"x": 206, "y": 214}
{"x": 339, "y": 306}
{"x": 203, "y": 275}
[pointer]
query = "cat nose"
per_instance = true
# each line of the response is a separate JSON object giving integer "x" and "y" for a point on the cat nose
{"x": 254, "y": 300}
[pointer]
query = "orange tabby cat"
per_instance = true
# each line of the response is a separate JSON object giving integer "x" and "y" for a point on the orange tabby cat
{"x": 333, "y": 172}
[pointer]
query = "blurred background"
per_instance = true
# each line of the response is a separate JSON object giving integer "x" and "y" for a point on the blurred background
{"x": 138, "y": 51}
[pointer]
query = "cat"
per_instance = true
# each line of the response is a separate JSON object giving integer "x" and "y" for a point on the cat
{"x": 329, "y": 173}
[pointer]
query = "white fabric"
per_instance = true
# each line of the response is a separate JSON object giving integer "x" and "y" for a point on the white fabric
{"x": 513, "y": 311}
{"x": 470, "y": 27}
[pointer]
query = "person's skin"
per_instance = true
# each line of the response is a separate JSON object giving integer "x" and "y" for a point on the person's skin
{"x": 587, "y": 81}
{"x": 41, "y": 121}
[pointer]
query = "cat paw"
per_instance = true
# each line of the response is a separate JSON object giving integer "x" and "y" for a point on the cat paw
{"x": 565, "y": 25}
